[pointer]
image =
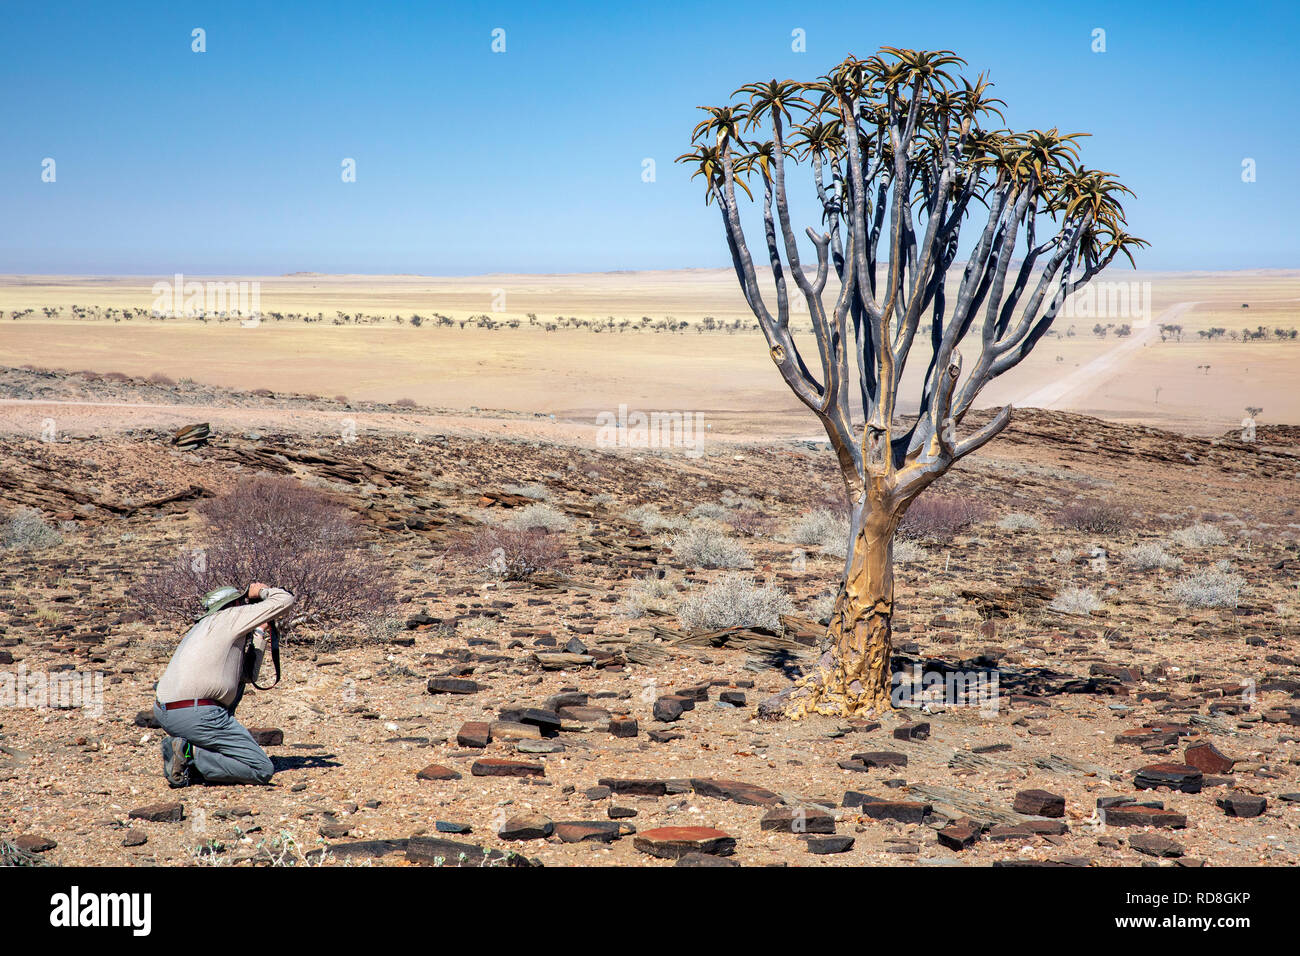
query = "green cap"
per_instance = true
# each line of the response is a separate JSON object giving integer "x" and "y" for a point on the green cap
{"x": 218, "y": 598}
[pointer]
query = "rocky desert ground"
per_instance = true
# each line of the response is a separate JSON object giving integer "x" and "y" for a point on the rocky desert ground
{"x": 1133, "y": 589}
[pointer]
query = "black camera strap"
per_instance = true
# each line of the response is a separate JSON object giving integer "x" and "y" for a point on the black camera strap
{"x": 275, "y": 656}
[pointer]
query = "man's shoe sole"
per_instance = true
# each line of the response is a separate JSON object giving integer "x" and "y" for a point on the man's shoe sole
{"x": 173, "y": 749}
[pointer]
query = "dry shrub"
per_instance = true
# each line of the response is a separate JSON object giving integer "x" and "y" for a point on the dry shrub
{"x": 1209, "y": 587}
{"x": 751, "y": 524}
{"x": 25, "y": 530}
{"x": 404, "y": 403}
{"x": 514, "y": 554}
{"x": 938, "y": 518}
{"x": 282, "y": 533}
{"x": 158, "y": 378}
{"x": 827, "y": 530}
{"x": 538, "y": 515}
{"x": 734, "y": 600}
{"x": 1095, "y": 517}
{"x": 1199, "y": 535}
{"x": 704, "y": 547}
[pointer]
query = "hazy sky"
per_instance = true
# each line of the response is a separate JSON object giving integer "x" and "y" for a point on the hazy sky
{"x": 470, "y": 161}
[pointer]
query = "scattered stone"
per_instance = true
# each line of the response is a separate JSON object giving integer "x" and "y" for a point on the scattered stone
{"x": 671, "y": 843}
{"x": 452, "y": 685}
{"x": 668, "y": 709}
{"x": 881, "y": 758}
{"x": 447, "y": 826}
{"x": 1039, "y": 803}
{"x": 494, "y": 767}
{"x": 918, "y": 731}
{"x": 1153, "y": 844}
{"x": 546, "y": 721}
{"x": 527, "y": 826}
{"x": 474, "y": 733}
{"x": 1138, "y": 816}
{"x": 437, "y": 771}
{"x": 1004, "y": 832}
{"x": 733, "y": 697}
{"x": 958, "y": 836}
{"x": 1242, "y": 806}
{"x": 798, "y": 820}
{"x": 561, "y": 660}
{"x": 903, "y": 811}
{"x": 620, "y": 813}
{"x": 1207, "y": 758}
{"x": 159, "y": 813}
{"x": 635, "y": 788}
{"x": 588, "y": 831}
{"x": 1176, "y": 776}
{"x": 704, "y": 859}
{"x": 267, "y": 736}
{"x": 824, "y": 846}
{"x": 33, "y": 843}
{"x": 135, "y": 838}
{"x": 623, "y": 727}
{"x": 436, "y": 851}
{"x": 734, "y": 790}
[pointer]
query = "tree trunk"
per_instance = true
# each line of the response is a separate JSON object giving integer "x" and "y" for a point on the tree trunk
{"x": 852, "y": 678}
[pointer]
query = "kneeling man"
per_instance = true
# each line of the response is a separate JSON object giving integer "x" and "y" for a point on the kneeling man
{"x": 203, "y": 683}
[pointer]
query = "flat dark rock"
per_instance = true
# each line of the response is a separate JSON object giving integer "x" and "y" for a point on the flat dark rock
{"x": 436, "y": 851}
{"x": 881, "y": 758}
{"x": 1153, "y": 844}
{"x": 474, "y": 733}
{"x": 958, "y": 836}
{"x": 1176, "y": 776}
{"x": 798, "y": 820}
{"x": 1132, "y": 815}
{"x": 34, "y": 843}
{"x": 527, "y": 826}
{"x": 159, "y": 813}
{"x": 704, "y": 859}
{"x": 267, "y": 736}
{"x": 635, "y": 788}
{"x": 1208, "y": 758}
{"x": 494, "y": 767}
{"x": 824, "y": 846}
{"x": 917, "y": 731}
{"x": 668, "y": 709}
{"x": 736, "y": 791}
{"x": 452, "y": 685}
{"x": 671, "y": 843}
{"x": 903, "y": 811}
{"x": 588, "y": 831}
{"x": 437, "y": 771}
{"x": 1242, "y": 806}
{"x": 1039, "y": 803}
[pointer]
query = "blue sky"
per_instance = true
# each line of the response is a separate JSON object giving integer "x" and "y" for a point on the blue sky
{"x": 468, "y": 161}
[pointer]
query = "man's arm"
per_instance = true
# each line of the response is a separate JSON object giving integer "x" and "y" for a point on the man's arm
{"x": 267, "y": 603}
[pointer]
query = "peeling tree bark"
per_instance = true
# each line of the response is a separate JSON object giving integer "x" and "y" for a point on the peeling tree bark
{"x": 852, "y": 679}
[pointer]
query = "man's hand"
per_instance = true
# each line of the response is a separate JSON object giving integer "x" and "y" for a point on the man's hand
{"x": 255, "y": 590}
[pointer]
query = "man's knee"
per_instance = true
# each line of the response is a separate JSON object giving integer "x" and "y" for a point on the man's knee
{"x": 263, "y": 770}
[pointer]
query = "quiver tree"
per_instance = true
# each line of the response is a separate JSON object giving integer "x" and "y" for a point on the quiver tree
{"x": 902, "y": 156}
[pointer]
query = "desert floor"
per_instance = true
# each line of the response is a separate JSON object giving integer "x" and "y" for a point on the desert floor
{"x": 498, "y": 420}
{"x": 1085, "y": 700}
